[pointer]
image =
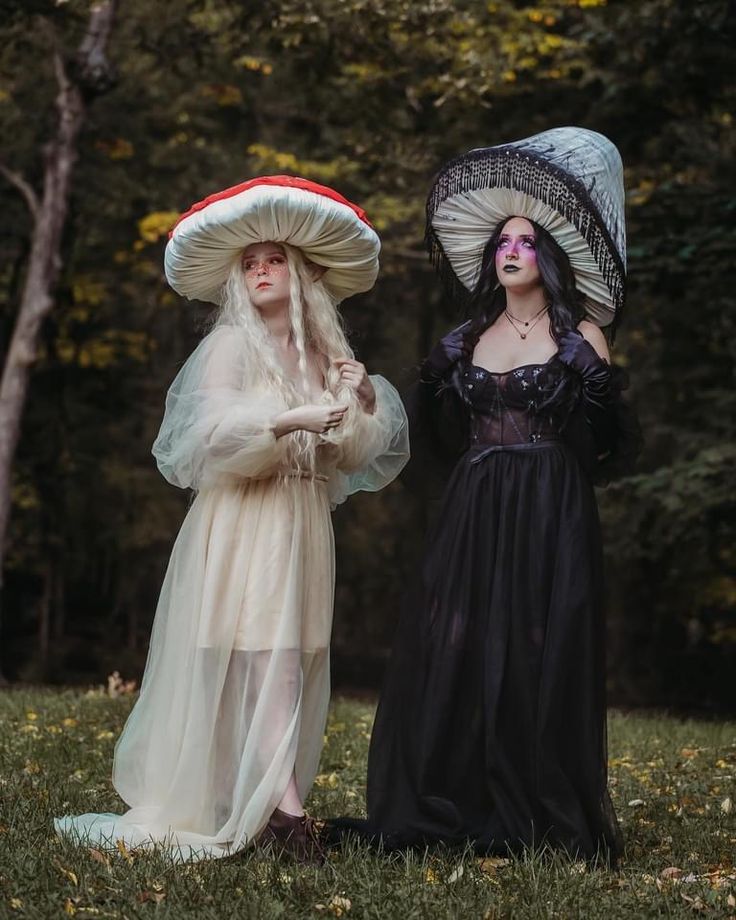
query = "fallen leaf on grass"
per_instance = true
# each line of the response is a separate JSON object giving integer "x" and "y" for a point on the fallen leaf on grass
{"x": 635, "y": 803}
{"x": 670, "y": 873}
{"x": 16, "y": 904}
{"x": 337, "y": 905}
{"x": 124, "y": 851}
{"x": 491, "y": 864}
{"x": 326, "y": 779}
{"x": 457, "y": 873}
{"x": 99, "y": 857}
{"x": 67, "y": 873}
{"x": 430, "y": 877}
{"x": 731, "y": 901}
{"x": 696, "y": 903}
{"x": 726, "y": 806}
{"x": 155, "y": 896}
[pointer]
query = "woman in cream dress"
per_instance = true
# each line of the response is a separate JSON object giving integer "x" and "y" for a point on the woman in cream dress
{"x": 272, "y": 422}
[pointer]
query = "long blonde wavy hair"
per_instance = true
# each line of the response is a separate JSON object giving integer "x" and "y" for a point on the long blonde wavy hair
{"x": 317, "y": 332}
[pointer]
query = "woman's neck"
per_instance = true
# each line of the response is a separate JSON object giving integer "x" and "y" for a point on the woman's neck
{"x": 525, "y": 305}
{"x": 279, "y": 325}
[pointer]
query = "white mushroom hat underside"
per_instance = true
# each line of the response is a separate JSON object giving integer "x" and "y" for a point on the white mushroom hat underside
{"x": 328, "y": 229}
{"x": 567, "y": 180}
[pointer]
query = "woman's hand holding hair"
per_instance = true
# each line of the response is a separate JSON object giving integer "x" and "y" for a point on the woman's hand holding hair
{"x": 354, "y": 375}
{"x": 445, "y": 353}
{"x": 318, "y": 418}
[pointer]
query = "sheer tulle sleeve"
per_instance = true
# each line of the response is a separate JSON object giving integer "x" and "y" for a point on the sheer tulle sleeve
{"x": 376, "y": 450}
{"x": 215, "y": 423}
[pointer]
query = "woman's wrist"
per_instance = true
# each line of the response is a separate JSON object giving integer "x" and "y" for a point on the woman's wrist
{"x": 368, "y": 403}
{"x": 285, "y": 423}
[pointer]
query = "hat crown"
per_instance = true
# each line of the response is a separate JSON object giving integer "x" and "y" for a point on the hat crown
{"x": 592, "y": 160}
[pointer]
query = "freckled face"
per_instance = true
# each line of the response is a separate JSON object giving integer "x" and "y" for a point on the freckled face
{"x": 266, "y": 274}
{"x": 516, "y": 255}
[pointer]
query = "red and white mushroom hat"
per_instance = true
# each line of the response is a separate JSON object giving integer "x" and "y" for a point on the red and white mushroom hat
{"x": 329, "y": 230}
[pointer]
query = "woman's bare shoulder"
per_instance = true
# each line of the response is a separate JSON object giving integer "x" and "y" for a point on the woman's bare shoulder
{"x": 591, "y": 333}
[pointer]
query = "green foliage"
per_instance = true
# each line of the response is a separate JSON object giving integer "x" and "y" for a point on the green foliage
{"x": 370, "y": 96}
{"x": 671, "y": 783}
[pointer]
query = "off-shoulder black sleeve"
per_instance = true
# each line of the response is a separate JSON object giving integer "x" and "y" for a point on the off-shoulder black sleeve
{"x": 620, "y": 435}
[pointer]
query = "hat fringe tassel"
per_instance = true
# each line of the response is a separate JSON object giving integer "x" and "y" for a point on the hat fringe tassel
{"x": 519, "y": 170}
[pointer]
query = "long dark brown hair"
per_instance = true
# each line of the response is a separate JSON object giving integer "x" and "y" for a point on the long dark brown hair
{"x": 488, "y": 300}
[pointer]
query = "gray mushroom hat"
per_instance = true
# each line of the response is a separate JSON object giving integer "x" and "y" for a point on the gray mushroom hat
{"x": 568, "y": 180}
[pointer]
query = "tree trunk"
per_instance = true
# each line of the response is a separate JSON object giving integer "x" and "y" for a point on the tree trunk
{"x": 88, "y": 76}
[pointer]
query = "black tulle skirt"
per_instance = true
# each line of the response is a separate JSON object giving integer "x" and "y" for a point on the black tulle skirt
{"x": 491, "y": 727}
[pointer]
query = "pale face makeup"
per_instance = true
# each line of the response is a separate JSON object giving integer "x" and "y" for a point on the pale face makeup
{"x": 516, "y": 256}
{"x": 266, "y": 272}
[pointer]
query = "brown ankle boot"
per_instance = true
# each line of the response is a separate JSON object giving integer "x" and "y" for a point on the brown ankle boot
{"x": 295, "y": 835}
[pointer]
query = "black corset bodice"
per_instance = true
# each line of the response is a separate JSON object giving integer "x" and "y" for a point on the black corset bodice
{"x": 505, "y": 408}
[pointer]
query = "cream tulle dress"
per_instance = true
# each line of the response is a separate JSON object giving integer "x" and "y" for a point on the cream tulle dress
{"x": 236, "y": 687}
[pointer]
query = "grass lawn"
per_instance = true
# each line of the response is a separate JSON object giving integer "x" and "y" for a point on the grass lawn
{"x": 672, "y": 784}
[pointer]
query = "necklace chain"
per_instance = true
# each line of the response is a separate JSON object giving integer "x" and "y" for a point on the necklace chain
{"x": 525, "y": 321}
{"x": 513, "y": 320}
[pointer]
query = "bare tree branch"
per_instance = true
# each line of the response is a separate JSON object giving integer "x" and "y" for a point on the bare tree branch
{"x": 60, "y": 70}
{"x": 94, "y": 72}
{"x": 24, "y": 187}
{"x": 80, "y": 79}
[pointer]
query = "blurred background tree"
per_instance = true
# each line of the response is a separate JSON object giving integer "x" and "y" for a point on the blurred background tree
{"x": 371, "y": 96}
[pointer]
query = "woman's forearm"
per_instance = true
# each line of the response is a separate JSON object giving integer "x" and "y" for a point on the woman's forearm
{"x": 285, "y": 423}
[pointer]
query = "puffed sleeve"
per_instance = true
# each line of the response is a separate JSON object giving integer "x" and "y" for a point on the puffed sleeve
{"x": 215, "y": 422}
{"x": 376, "y": 450}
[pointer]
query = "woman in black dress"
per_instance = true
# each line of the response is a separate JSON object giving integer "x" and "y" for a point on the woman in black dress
{"x": 492, "y": 723}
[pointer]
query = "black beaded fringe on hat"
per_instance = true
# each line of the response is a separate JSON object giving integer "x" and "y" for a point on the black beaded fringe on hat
{"x": 511, "y": 168}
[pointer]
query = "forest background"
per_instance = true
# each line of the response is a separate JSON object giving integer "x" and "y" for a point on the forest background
{"x": 370, "y": 96}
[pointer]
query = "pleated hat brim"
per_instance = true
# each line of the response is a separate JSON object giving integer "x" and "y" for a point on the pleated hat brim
{"x": 328, "y": 229}
{"x": 568, "y": 180}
